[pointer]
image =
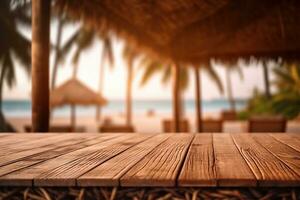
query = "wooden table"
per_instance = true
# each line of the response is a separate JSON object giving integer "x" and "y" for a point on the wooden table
{"x": 150, "y": 160}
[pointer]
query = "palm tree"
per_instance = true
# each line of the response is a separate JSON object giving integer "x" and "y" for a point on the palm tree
{"x": 13, "y": 45}
{"x": 215, "y": 77}
{"x": 107, "y": 54}
{"x": 266, "y": 79}
{"x": 152, "y": 67}
{"x": 287, "y": 81}
{"x": 130, "y": 55}
{"x": 230, "y": 68}
{"x": 60, "y": 25}
{"x": 264, "y": 63}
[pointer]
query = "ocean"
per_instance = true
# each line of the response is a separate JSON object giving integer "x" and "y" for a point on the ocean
{"x": 22, "y": 108}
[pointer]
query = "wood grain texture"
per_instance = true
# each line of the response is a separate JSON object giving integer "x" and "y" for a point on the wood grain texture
{"x": 109, "y": 173}
{"x": 292, "y": 140}
{"x": 161, "y": 166}
{"x": 61, "y": 149}
{"x": 33, "y": 141}
{"x": 267, "y": 168}
{"x": 25, "y": 176}
{"x": 66, "y": 174}
{"x": 231, "y": 168}
{"x": 16, "y": 139}
{"x": 36, "y": 147}
{"x": 199, "y": 166}
{"x": 162, "y": 160}
{"x": 286, "y": 154}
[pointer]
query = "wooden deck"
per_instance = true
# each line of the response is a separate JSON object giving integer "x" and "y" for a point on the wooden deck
{"x": 150, "y": 160}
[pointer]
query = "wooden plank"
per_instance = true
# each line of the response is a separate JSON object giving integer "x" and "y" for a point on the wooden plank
{"x": 51, "y": 144}
{"x": 161, "y": 166}
{"x": 292, "y": 140}
{"x": 268, "y": 170}
{"x": 2, "y": 135}
{"x": 286, "y": 154}
{"x": 20, "y": 138}
{"x": 46, "y": 155}
{"x": 39, "y": 147}
{"x": 109, "y": 173}
{"x": 231, "y": 168}
{"x": 199, "y": 168}
{"x": 31, "y": 143}
{"x": 25, "y": 176}
{"x": 66, "y": 174}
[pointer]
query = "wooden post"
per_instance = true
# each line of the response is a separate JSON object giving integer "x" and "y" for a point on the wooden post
{"x": 198, "y": 100}
{"x": 129, "y": 95}
{"x": 266, "y": 79}
{"x": 229, "y": 90}
{"x": 40, "y": 64}
{"x": 176, "y": 99}
{"x": 73, "y": 117}
{"x": 101, "y": 81}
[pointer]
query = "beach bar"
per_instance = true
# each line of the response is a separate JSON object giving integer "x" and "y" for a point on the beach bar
{"x": 160, "y": 166}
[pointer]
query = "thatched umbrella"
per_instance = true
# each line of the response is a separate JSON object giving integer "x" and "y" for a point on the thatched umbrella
{"x": 73, "y": 92}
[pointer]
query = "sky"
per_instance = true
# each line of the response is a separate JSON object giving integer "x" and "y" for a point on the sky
{"x": 115, "y": 78}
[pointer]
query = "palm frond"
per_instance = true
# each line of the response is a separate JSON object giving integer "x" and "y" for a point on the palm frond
{"x": 167, "y": 73}
{"x": 150, "y": 69}
{"x": 213, "y": 75}
{"x": 66, "y": 48}
{"x": 9, "y": 75}
{"x": 108, "y": 50}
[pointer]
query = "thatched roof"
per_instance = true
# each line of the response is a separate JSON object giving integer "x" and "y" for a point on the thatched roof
{"x": 191, "y": 31}
{"x": 76, "y": 93}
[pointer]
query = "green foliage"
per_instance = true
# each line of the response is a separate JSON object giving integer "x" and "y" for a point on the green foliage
{"x": 259, "y": 104}
{"x": 13, "y": 44}
{"x": 285, "y": 102}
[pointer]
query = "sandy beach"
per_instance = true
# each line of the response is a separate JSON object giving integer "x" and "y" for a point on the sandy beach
{"x": 143, "y": 123}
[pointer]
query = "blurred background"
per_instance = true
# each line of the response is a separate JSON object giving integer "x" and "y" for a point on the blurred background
{"x": 107, "y": 66}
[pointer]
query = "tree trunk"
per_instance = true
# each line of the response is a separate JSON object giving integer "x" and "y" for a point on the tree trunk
{"x": 101, "y": 81}
{"x": 73, "y": 117}
{"x": 2, "y": 119}
{"x": 57, "y": 52}
{"x": 40, "y": 64}
{"x": 266, "y": 80}
{"x": 229, "y": 90}
{"x": 182, "y": 110}
{"x": 198, "y": 100}
{"x": 176, "y": 99}
{"x": 129, "y": 95}
{"x": 75, "y": 71}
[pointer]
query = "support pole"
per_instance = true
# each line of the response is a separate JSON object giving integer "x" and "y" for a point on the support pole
{"x": 176, "y": 99}
{"x": 73, "y": 117}
{"x": 198, "y": 100}
{"x": 129, "y": 96}
{"x": 40, "y": 64}
{"x": 266, "y": 79}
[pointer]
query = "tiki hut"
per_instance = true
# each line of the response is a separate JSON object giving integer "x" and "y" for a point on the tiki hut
{"x": 191, "y": 32}
{"x": 73, "y": 93}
